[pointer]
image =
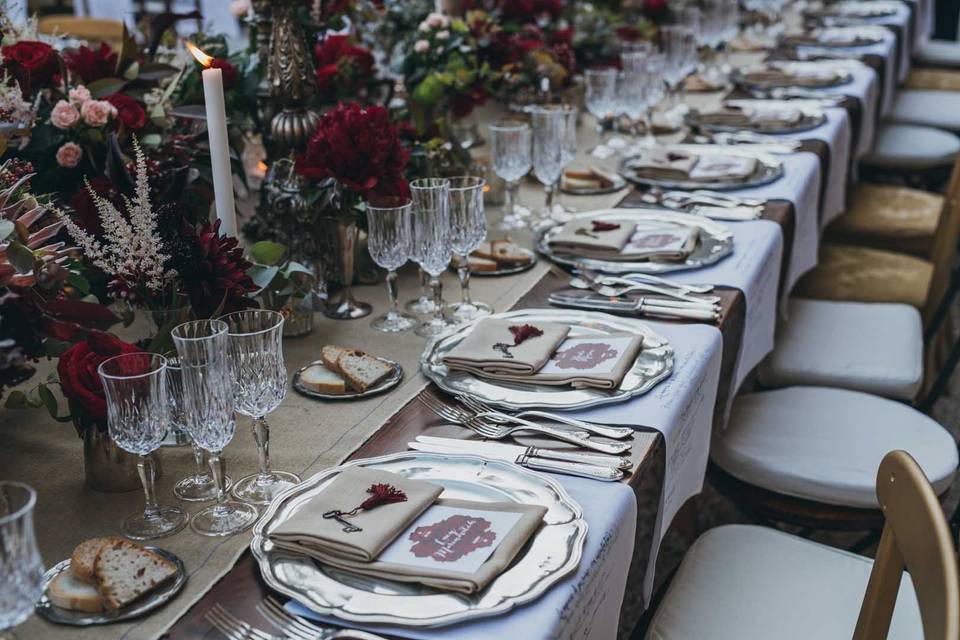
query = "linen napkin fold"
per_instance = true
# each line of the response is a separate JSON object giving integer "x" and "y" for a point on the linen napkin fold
{"x": 665, "y": 244}
{"x": 308, "y": 532}
{"x": 783, "y": 77}
{"x": 717, "y": 167}
{"x": 665, "y": 164}
{"x": 484, "y": 351}
{"x": 595, "y": 362}
{"x": 434, "y": 550}
{"x": 597, "y": 236}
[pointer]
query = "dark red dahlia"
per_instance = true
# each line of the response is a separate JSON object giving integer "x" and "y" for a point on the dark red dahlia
{"x": 214, "y": 271}
{"x": 92, "y": 64}
{"x": 360, "y": 148}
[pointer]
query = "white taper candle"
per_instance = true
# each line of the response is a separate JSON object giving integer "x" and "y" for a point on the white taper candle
{"x": 219, "y": 150}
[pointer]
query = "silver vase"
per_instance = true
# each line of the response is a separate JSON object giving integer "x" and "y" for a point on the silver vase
{"x": 343, "y": 306}
{"x": 107, "y": 467}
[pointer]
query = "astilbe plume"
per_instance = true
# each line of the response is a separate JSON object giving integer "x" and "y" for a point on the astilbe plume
{"x": 130, "y": 250}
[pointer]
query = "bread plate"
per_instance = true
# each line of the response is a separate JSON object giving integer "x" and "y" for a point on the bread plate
{"x": 392, "y": 380}
{"x": 149, "y": 602}
{"x": 507, "y": 270}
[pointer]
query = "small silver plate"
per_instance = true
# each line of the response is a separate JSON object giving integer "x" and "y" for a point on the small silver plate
{"x": 808, "y": 120}
{"x": 618, "y": 183}
{"x": 769, "y": 169}
{"x": 715, "y": 243}
{"x": 392, "y": 380}
{"x": 149, "y": 602}
{"x": 654, "y": 364}
{"x": 553, "y": 553}
{"x": 519, "y": 267}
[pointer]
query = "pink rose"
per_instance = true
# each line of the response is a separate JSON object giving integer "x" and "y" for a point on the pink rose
{"x": 79, "y": 95}
{"x": 436, "y": 20}
{"x": 64, "y": 115}
{"x": 69, "y": 155}
{"x": 96, "y": 113}
{"x": 421, "y": 46}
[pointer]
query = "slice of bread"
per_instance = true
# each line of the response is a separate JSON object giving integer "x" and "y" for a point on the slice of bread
{"x": 320, "y": 379}
{"x": 508, "y": 252}
{"x": 67, "y": 591}
{"x": 81, "y": 562}
{"x": 330, "y": 354}
{"x": 362, "y": 370}
{"x": 124, "y": 571}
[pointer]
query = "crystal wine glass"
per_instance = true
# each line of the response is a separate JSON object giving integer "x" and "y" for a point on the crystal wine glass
{"x": 209, "y": 409}
{"x": 138, "y": 416}
{"x": 388, "y": 240}
{"x": 199, "y": 486}
{"x": 21, "y": 568}
{"x": 468, "y": 228}
{"x": 511, "y": 160}
{"x": 601, "y": 100}
{"x": 255, "y": 350}
{"x": 422, "y": 303}
{"x": 677, "y": 42}
{"x": 549, "y": 142}
{"x": 431, "y": 241}
{"x": 560, "y": 212}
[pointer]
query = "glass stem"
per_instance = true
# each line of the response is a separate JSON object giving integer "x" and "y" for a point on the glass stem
{"x": 437, "y": 286}
{"x": 261, "y": 435}
{"x": 650, "y": 139}
{"x": 424, "y": 284}
{"x": 463, "y": 273}
{"x": 394, "y": 310}
{"x": 198, "y": 459}
{"x": 219, "y": 472}
{"x": 551, "y": 190}
{"x": 509, "y": 198}
{"x": 148, "y": 476}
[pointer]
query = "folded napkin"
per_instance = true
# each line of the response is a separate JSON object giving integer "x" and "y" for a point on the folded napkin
{"x": 446, "y": 546}
{"x": 597, "y": 236}
{"x": 485, "y": 349}
{"x": 660, "y": 163}
{"x": 729, "y": 117}
{"x": 671, "y": 244}
{"x": 598, "y": 362}
{"x": 308, "y": 532}
{"x": 719, "y": 167}
{"x": 777, "y": 77}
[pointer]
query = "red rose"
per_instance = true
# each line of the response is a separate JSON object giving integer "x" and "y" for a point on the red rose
{"x": 360, "y": 148}
{"x": 92, "y": 64}
{"x": 129, "y": 111}
{"x": 79, "y": 379}
{"x": 228, "y": 70}
{"x": 339, "y": 61}
{"x": 30, "y": 63}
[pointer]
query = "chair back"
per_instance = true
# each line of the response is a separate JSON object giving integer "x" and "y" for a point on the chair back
{"x": 93, "y": 30}
{"x": 916, "y": 537}
{"x": 944, "y": 249}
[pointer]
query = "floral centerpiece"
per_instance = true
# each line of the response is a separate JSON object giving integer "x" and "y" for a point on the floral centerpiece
{"x": 345, "y": 70}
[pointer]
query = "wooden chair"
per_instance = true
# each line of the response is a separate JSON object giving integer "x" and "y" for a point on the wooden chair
{"x": 93, "y": 30}
{"x": 743, "y": 582}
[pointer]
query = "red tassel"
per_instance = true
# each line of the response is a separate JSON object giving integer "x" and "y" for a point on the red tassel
{"x": 600, "y": 225}
{"x": 382, "y": 494}
{"x": 524, "y": 332}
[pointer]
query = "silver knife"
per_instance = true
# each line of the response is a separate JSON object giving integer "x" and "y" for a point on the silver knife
{"x": 593, "y": 472}
{"x": 504, "y": 450}
{"x": 561, "y": 299}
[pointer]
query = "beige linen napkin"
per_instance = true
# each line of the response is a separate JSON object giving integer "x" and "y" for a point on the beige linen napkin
{"x": 727, "y": 117}
{"x": 592, "y": 236}
{"x": 665, "y": 164}
{"x": 308, "y": 532}
{"x": 450, "y": 538}
{"x": 777, "y": 77}
{"x": 667, "y": 244}
{"x": 717, "y": 167}
{"x": 596, "y": 362}
{"x": 477, "y": 353}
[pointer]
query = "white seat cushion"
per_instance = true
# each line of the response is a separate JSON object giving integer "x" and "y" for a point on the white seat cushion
{"x": 927, "y": 107}
{"x": 909, "y": 146}
{"x": 825, "y": 444}
{"x": 742, "y": 582}
{"x": 872, "y": 347}
{"x": 940, "y": 53}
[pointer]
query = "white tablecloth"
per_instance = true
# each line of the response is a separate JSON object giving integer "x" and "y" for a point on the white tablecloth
{"x": 901, "y": 20}
{"x": 864, "y": 86}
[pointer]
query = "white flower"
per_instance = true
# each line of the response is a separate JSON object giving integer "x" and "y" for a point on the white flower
{"x": 79, "y": 95}
{"x": 421, "y": 46}
{"x": 443, "y": 35}
{"x": 424, "y": 26}
{"x": 13, "y": 108}
{"x": 438, "y": 21}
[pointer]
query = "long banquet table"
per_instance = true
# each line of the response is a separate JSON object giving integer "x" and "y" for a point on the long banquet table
{"x": 673, "y": 422}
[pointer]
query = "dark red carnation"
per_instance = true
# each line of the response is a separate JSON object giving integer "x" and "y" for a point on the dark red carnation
{"x": 78, "y": 374}
{"x": 92, "y": 64}
{"x": 462, "y": 104}
{"x": 340, "y": 61}
{"x": 217, "y": 279}
{"x": 228, "y": 70}
{"x": 31, "y": 63}
{"x": 360, "y": 148}
{"x": 129, "y": 111}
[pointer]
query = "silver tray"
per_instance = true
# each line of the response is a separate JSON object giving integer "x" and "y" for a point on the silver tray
{"x": 618, "y": 183}
{"x": 46, "y": 609}
{"x": 840, "y": 78}
{"x": 654, "y": 364}
{"x": 769, "y": 169}
{"x": 553, "y": 553}
{"x": 392, "y": 380}
{"x": 808, "y": 120}
{"x": 715, "y": 243}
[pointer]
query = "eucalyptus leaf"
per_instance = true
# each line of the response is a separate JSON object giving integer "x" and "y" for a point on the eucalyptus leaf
{"x": 49, "y": 400}
{"x": 6, "y": 228}
{"x": 263, "y": 275}
{"x": 267, "y": 252}
{"x": 20, "y": 256}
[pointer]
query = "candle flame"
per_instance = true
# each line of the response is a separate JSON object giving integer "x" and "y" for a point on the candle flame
{"x": 262, "y": 166}
{"x": 199, "y": 54}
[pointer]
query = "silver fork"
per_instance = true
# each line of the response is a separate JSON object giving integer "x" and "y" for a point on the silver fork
{"x": 300, "y": 629}
{"x": 617, "y": 433}
{"x": 235, "y": 628}
{"x": 614, "y": 286}
{"x": 590, "y": 274}
{"x": 478, "y": 424}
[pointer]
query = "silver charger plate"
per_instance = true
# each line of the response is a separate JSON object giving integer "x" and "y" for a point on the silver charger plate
{"x": 840, "y": 77}
{"x": 769, "y": 169}
{"x": 654, "y": 364}
{"x": 618, "y": 183}
{"x": 808, "y": 120}
{"x": 715, "y": 243}
{"x": 392, "y": 380}
{"x": 160, "y": 596}
{"x": 553, "y": 553}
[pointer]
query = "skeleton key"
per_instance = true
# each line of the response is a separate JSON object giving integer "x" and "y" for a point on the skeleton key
{"x": 337, "y": 515}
